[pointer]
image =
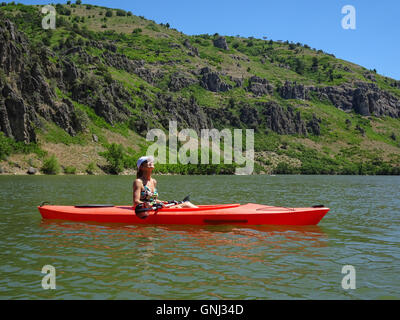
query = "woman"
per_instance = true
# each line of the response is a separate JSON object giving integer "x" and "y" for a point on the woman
{"x": 145, "y": 187}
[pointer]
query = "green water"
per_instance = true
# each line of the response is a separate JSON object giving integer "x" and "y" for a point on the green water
{"x": 106, "y": 261}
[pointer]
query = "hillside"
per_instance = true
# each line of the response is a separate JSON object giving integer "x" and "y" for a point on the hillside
{"x": 107, "y": 76}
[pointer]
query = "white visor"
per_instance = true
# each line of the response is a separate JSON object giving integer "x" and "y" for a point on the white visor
{"x": 143, "y": 159}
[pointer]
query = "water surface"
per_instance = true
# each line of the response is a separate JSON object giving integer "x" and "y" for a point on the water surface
{"x": 111, "y": 261}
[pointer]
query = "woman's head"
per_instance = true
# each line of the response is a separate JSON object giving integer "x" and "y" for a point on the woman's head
{"x": 144, "y": 164}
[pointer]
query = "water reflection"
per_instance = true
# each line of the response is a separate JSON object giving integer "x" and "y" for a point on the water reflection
{"x": 146, "y": 241}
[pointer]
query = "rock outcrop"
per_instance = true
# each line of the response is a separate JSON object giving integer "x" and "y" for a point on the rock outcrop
{"x": 179, "y": 81}
{"x": 283, "y": 121}
{"x": 220, "y": 42}
{"x": 186, "y": 112}
{"x": 211, "y": 81}
{"x": 363, "y": 98}
{"x": 193, "y": 51}
{"x": 292, "y": 90}
{"x": 260, "y": 86}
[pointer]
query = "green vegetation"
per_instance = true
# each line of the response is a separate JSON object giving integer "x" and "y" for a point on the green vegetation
{"x": 70, "y": 170}
{"x": 51, "y": 166}
{"x": 116, "y": 158}
{"x": 9, "y": 146}
{"x": 90, "y": 168}
{"x": 348, "y": 143}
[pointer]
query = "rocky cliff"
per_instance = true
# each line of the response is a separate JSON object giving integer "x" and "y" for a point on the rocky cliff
{"x": 146, "y": 78}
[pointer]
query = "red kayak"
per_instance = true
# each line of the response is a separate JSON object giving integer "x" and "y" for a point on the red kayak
{"x": 227, "y": 214}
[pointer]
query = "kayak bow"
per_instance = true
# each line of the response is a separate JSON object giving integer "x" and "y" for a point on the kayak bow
{"x": 227, "y": 214}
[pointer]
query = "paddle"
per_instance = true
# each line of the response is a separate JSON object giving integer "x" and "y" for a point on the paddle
{"x": 158, "y": 206}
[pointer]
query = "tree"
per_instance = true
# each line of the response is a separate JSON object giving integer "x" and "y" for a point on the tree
{"x": 115, "y": 157}
{"x": 78, "y": 2}
{"x": 121, "y": 13}
{"x": 314, "y": 66}
{"x": 109, "y": 13}
{"x": 299, "y": 66}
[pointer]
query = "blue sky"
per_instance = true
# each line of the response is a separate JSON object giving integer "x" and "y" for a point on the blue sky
{"x": 373, "y": 44}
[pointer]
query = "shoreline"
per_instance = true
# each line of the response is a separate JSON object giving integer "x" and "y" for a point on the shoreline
{"x": 133, "y": 173}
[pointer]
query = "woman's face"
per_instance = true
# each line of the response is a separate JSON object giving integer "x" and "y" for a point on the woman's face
{"x": 148, "y": 165}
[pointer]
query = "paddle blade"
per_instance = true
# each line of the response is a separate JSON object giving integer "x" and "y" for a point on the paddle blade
{"x": 187, "y": 198}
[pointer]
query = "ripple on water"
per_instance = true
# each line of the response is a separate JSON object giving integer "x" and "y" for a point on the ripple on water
{"x": 95, "y": 261}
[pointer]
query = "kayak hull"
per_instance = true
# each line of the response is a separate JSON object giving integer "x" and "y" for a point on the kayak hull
{"x": 232, "y": 214}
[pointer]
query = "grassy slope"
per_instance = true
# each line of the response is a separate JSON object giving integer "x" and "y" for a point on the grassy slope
{"x": 339, "y": 146}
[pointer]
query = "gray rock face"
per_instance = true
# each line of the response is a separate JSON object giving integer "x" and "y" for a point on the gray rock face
{"x": 293, "y": 91}
{"x": 179, "y": 81}
{"x": 220, "y": 42}
{"x": 108, "y": 111}
{"x": 260, "y": 86}
{"x": 238, "y": 81}
{"x": 28, "y": 94}
{"x": 283, "y": 121}
{"x": 268, "y": 116}
{"x": 10, "y": 51}
{"x": 250, "y": 116}
{"x": 365, "y": 98}
{"x": 313, "y": 126}
{"x": 138, "y": 67}
{"x": 211, "y": 81}
{"x": 31, "y": 170}
{"x": 193, "y": 51}
{"x": 15, "y": 117}
{"x": 186, "y": 112}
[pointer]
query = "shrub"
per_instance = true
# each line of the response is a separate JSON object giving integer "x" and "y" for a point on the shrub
{"x": 285, "y": 168}
{"x": 299, "y": 66}
{"x": 70, "y": 170}
{"x": 109, "y": 13}
{"x": 121, "y": 13}
{"x": 90, "y": 168}
{"x": 137, "y": 30}
{"x": 5, "y": 146}
{"x": 115, "y": 157}
{"x": 51, "y": 166}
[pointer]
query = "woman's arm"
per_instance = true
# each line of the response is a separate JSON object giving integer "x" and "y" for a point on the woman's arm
{"x": 137, "y": 188}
